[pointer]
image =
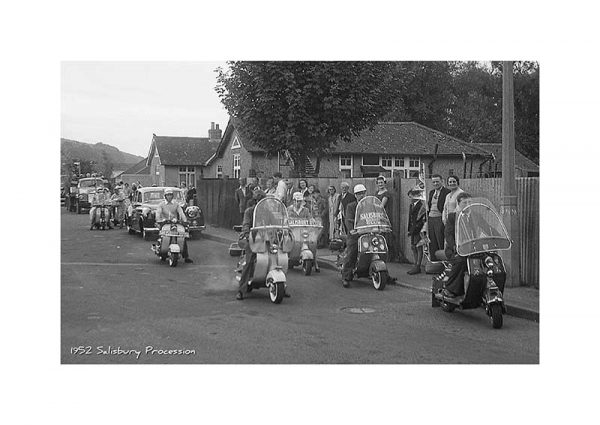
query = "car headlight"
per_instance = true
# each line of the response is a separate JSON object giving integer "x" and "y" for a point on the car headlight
{"x": 489, "y": 262}
{"x": 274, "y": 248}
{"x": 365, "y": 244}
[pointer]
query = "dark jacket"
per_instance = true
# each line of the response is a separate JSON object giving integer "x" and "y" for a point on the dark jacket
{"x": 350, "y": 215}
{"x": 346, "y": 200}
{"x": 416, "y": 218}
{"x": 444, "y": 191}
{"x": 241, "y": 199}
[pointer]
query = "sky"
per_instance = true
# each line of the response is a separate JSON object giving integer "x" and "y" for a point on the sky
{"x": 123, "y": 103}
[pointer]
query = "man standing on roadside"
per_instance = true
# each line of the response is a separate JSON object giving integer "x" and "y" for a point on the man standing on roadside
{"x": 242, "y": 195}
{"x": 435, "y": 206}
{"x": 345, "y": 198}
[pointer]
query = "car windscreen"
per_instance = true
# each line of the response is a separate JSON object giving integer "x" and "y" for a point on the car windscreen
{"x": 90, "y": 183}
{"x": 156, "y": 196}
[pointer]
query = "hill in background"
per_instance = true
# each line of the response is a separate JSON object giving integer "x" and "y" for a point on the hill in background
{"x": 104, "y": 158}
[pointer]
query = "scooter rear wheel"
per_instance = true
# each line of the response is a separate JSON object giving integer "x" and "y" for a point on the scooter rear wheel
{"x": 307, "y": 266}
{"x": 379, "y": 280}
{"x": 496, "y": 315}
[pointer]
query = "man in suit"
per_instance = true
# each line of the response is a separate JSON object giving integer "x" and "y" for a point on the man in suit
{"x": 345, "y": 198}
{"x": 242, "y": 196}
{"x": 435, "y": 207}
{"x": 289, "y": 193}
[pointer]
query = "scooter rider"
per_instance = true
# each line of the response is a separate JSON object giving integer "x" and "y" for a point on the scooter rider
{"x": 351, "y": 255}
{"x": 297, "y": 209}
{"x": 167, "y": 210}
{"x": 102, "y": 197}
{"x": 244, "y": 243}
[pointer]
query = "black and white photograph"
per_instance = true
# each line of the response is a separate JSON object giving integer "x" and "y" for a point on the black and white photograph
{"x": 300, "y": 212}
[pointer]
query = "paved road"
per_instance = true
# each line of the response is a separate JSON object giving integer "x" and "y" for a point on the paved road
{"x": 118, "y": 299}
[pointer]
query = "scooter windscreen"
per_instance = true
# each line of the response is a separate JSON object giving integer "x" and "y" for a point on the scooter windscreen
{"x": 270, "y": 212}
{"x": 371, "y": 216}
{"x": 479, "y": 228}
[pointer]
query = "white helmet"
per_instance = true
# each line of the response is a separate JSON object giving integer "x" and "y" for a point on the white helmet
{"x": 169, "y": 190}
{"x": 298, "y": 196}
{"x": 360, "y": 188}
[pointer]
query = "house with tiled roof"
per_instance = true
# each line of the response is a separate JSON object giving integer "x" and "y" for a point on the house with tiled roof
{"x": 174, "y": 160}
{"x": 390, "y": 149}
{"x": 524, "y": 167}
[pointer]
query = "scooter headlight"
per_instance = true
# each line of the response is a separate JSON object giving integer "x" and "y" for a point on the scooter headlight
{"x": 375, "y": 241}
{"x": 489, "y": 262}
{"x": 274, "y": 248}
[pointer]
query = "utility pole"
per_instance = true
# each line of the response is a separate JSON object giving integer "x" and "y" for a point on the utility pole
{"x": 508, "y": 207}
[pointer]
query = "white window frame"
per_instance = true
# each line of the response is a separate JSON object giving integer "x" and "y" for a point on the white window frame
{"x": 219, "y": 171}
{"x": 188, "y": 174}
{"x": 362, "y": 161}
{"x": 345, "y": 167}
{"x": 237, "y": 169}
{"x": 236, "y": 143}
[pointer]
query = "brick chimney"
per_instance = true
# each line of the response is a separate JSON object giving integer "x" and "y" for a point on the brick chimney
{"x": 215, "y": 133}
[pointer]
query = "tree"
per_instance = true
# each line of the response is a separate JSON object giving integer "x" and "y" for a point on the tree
{"x": 475, "y": 114}
{"x": 426, "y": 95}
{"x": 307, "y": 107}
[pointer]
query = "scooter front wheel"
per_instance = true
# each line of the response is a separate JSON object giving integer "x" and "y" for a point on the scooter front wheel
{"x": 307, "y": 266}
{"x": 276, "y": 292}
{"x": 496, "y": 315}
{"x": 379, "y": 280}
{"x": 173, "y": 258}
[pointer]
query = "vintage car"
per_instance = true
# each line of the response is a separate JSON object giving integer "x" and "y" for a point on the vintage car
{"x": 81, "y": 195}
{"x": 141, "y": 214}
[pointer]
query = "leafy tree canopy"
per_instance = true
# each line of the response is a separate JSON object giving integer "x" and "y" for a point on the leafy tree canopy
{"x": 307, "y": 107}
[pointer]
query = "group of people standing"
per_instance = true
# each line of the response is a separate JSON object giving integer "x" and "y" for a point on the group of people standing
{"x": 442, "y": 201}
{"x": 329, "y": 208}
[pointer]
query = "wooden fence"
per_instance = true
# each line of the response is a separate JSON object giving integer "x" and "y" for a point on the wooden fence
{"x": 216, "y": 197}
{"x": 527, "y": 209}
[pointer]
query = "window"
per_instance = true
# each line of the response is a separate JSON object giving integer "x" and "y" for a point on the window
{"x": 236, "y": 165}
{"x": 346, "y": 165}
{"x": 399, "y": 162}
{"x": 386, "y": 161}
{"x": 413, "y": 162}
{"x": 370, "y": 160}
{"x": 236, "y": 143}
{"x": 187, "y": 175}
{"x": 413, "y": 174}
{"x": 219, "y": 171}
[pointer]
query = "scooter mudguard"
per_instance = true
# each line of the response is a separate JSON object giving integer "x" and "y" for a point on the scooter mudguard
{"x": 277, "y": 275}
{"x": 307, "y": 254}
{"x": 174, "y": 248}
{"x": 378, "y": 266}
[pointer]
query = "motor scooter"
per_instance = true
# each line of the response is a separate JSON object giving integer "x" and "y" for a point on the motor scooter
{"x": 304, "y": 251}
{"x": 371, "y": 223}
{"x": 101, "y": 216}
{"x": 479, "y": 234}
{"x": 271, "y": 240}
{"x": 171, "y": 240}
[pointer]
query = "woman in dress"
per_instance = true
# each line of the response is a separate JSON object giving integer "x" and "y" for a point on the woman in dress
{"x": 333, "y": 201}
{"x": 452, "y": 183}
{"x": 384, "y": 195}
